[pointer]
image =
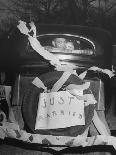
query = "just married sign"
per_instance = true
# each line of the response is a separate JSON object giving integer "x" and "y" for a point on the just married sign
{"x": 59, "y": 110}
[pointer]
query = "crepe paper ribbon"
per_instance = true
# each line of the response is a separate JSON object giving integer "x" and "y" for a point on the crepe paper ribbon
{"x": 41, "y": 50}
{"x": 65, "y": 67}
{"x": 38, "y": 83}
{"x": 12, "y": 130}
{"x": 23, "y": 28}
{"x": 82, "y": 75}
{"x": 54, "y": 60}
{"x": 36, "y": 44}
{"x": 84, "y": 86}
{"x": 87, "y": 98}
{"x": 61, "y": 81}
{"x": 110, "y": 73}
{"x": 33, "y": 28}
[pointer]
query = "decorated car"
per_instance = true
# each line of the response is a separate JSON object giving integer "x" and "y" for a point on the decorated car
{"x": 59, "y": 92}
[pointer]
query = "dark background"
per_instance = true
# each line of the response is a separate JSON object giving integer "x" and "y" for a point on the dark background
{"x": 97, "y": 13}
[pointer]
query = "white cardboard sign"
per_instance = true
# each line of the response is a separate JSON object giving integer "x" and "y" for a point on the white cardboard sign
{"x": 59, "y": 110}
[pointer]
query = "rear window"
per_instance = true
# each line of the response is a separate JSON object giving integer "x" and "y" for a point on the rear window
{"x": 66, "y": 43}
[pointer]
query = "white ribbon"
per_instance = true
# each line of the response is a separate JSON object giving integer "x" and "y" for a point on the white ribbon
{"x": 38, "y": 83}
{"x": 110, "y": 73}
{"x": 8, "y": 130}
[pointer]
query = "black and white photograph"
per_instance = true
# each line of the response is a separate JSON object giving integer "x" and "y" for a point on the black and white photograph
{"x": 57, "y": 77}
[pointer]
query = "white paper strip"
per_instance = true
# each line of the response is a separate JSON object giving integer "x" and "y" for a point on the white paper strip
{"x": 38, "y": 83}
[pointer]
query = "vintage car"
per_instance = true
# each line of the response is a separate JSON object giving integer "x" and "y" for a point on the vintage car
{"x": 80, "y": 46}
{"x": 91, "y": 47}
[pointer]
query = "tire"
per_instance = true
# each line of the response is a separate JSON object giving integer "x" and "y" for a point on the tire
{"x": 30, "y": 105}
